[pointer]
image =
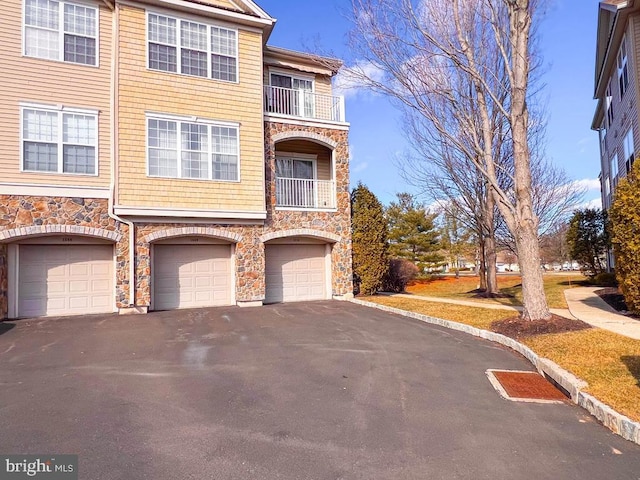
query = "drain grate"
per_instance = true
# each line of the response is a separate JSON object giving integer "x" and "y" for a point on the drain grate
{"x": 520, "y": 386}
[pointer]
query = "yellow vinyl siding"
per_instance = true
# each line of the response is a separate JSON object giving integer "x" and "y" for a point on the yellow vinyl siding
{"x": 142, "y": 90}
{"x": 323, "y": 163}
{"x": 323, "y": 85}
{"x": 34, "y": 80}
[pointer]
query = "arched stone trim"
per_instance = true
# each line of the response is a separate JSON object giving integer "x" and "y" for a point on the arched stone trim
{"x": 300, "y": 232}
{"x": 314, "y": 137}
{"x": 36, "y": 230}
{"x": 188, "y": 231}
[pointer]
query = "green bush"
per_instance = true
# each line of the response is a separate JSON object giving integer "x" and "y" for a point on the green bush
{"x": 369, "y": 241}
{"x": 625, "y": 237}
{"x": 604, "y": 280}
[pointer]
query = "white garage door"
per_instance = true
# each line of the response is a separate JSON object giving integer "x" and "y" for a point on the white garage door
{"x": 295, "y": 273}
{"x": 189, "y": 276}
{"x": 65, "y": 280}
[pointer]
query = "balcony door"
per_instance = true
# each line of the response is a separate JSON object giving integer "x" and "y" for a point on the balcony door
{"x": 295, "y": 182}
{"x": 300, "y": 91}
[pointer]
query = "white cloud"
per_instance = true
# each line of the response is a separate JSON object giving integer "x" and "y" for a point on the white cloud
{"x": 359, "y": 167}
{"x": 595, "y": 203}
{"x": 351, "y": 81}
{"x": 589, "y": 184}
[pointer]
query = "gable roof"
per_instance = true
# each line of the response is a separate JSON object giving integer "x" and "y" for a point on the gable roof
{"x": 244, "y": 12}
{"x": 612, "y": 22}
{"x": 240, "y": 6}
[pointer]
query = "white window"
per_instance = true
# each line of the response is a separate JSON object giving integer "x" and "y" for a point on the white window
{"x": 192, "y": 48}
{"x": 607, "y": 191}
{"x": 613, "y": 170}
{"x": 292, "y": 93}
{"x": 623, "y": 74}
{"x": 295, "y": 168}
{"x": 59, "y": 141}
{"x": 61, "y": 31}
{"x": 187, "y": 149}
{"x": 629, "y": 150}
{"x": 609, "y": 105}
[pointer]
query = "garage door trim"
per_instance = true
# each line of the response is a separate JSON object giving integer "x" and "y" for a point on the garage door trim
{"x": 327, "y": 270}
{"x": 13, "y": 266}
{"x": 184, "y": 240}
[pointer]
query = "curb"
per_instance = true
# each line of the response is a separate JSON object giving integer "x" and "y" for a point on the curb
{"x": 614, "y": 421}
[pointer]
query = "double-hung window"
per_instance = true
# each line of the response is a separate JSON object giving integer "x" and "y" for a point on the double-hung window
{"x": 629, "y": 150}
{"x": 623, "y": 71}
{"x": 609, "y": 106}
{"x": 63, "y": 31}
{"x": 613, "y": 169}
{"x": 196, "y": 150}
{"x": 59, "y": 141}
{"x": 192, "y": 48}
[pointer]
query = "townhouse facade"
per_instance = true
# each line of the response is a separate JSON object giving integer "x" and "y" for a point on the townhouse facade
{"x": 617, "y": 90}
{"x": 158, "y": 154}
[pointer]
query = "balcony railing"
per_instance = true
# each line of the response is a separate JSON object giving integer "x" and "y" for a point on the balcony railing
{"x": 302, "y": 193}
{"x": 303, "y": 103}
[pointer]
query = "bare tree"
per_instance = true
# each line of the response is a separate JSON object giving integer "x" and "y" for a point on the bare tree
{"x": 555, "y": 198}
{"x": 443, "y": 173}
{"x": 472, "y": 60}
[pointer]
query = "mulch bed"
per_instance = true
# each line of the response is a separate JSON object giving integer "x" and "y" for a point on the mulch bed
{"x": 613, "y": 297}
{"x": 516, "y": 327}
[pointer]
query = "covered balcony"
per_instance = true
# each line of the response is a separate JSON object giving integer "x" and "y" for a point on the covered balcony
{"x": 304, "y": 104}
{"x": 304, "y": 176}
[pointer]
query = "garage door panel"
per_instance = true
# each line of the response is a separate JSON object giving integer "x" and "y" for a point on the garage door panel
{"x": 189, "y": 276}
{"x": 65, "y": 280}
{"x": 79, "y": 286}
{"x": 295, "y": 273}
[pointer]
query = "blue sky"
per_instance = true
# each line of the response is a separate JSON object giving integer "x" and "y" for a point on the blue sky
{"x": 567, "y": 37}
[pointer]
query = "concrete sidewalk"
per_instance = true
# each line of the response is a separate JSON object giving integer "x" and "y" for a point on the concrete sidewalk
{"x": 473, "y": 303}
{"x": 584, "y": 304}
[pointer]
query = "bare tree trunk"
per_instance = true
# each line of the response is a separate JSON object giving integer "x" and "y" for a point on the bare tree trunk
{"x": 482, "y": 271}
{"x": 490, "y": 244}
{"x": 533, "y": 296}
{"x": 490, "y": 253}
{"x": 528, "y": 247}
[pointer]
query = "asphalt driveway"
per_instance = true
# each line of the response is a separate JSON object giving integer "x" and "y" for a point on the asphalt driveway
{"x": 326, "y": 390}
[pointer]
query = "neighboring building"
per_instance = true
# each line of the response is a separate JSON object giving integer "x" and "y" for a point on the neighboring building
{"x": 617, "y": 91}
{"x": 157, "y": 154}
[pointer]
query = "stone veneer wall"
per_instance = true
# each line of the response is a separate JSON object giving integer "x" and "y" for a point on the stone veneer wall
{"x": 338, "y": 222}
{"x": 249, "y": 253}
{"x": 32, "y": 216}
{"x": 61, "y": 215}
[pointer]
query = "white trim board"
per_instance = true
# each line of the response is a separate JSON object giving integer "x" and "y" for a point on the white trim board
{"x": 230, "y": 215}
{"x": 53, "y": 190}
